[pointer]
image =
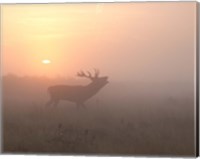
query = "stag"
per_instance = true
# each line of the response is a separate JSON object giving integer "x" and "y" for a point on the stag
{"x": 77, "y": 94}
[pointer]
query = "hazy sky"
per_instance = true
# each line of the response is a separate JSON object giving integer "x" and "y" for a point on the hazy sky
{"x": 127, "y": 41}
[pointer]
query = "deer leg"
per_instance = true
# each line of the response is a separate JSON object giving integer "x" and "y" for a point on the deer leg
{"x": 50, "y": 102}
{"x": 78, "y": 105}
{"x": 55, "y": 103}
{"x": 83, "y": 105}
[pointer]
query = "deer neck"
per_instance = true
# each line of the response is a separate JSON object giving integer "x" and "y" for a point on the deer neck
{"x": 93, "y": 87}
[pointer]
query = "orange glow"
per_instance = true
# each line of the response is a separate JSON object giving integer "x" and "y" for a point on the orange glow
{"x": 114, "y": 37}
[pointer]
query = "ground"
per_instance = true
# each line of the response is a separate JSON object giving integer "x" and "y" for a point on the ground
{"x": 138, "y": 127}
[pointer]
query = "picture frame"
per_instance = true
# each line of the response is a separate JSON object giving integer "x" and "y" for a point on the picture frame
{"x": 116, "y": 79}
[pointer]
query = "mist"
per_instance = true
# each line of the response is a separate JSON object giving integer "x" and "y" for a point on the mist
{"x": 120, "y": 78}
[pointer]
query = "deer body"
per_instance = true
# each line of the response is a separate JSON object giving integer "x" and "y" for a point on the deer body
{"x": 78, "y": 93}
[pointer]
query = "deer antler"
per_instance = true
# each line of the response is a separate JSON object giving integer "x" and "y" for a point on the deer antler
{"x": 89, "y": 75}
{"x": 82, "y": 74}
{"x": 96, "y": 73}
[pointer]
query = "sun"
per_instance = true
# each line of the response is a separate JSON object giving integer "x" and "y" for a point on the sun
{"x": 46, "y": 61}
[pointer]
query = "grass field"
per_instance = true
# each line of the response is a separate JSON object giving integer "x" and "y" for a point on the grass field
{"x": 105, "y": 127}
